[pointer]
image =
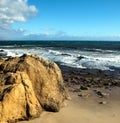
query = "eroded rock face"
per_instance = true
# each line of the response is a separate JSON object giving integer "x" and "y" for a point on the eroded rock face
{"x": 29, "y": 85}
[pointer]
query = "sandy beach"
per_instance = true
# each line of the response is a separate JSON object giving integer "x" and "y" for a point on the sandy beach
{"x": 85, "y": 110}
{"x": 91, "y": 103}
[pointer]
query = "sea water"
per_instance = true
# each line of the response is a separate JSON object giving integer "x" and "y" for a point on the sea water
{"x": 104, "y": 55}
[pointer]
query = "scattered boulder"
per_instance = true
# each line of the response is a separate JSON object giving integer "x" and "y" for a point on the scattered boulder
{"x": 28, "y": 85}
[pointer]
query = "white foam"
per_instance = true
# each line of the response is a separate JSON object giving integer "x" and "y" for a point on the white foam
{"x": 97, "y": 60}
{"x": 9, "y": 53}
{"x": 54, "y": 52}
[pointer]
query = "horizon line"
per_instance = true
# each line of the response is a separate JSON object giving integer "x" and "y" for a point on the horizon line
{"x": 62, "y": 40}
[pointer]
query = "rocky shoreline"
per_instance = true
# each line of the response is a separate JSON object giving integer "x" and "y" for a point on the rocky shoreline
{"x": 89, "y": 78}
{"x": 87, "y": 83}
{"x": 30, "y": 85}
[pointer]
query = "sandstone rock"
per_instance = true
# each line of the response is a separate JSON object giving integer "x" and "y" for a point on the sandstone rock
{"x": 29, "y": 85}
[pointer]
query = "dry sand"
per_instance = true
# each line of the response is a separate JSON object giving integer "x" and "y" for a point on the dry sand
{"x": 85, "y": 109}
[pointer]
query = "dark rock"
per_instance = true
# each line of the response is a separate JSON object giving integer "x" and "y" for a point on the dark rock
{"x": 65, "y": 54}
{"x": 103, "y": 102}
{"x": 83, "y": 88}
{"x": 80, "y": 57}
{"x": 80, "y": 95}
{"x": 101, "y": 94}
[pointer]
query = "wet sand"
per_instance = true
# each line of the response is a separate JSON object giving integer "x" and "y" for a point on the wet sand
{"x": 95, "y": 98}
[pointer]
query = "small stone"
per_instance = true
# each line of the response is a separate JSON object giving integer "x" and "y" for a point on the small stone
{"x": 84, "y": 94}
{"x": 80, "y": 95}
{"x": 103, "y": 102}
{"x": 101, "y": 94}
{"x": 83, "y": 88}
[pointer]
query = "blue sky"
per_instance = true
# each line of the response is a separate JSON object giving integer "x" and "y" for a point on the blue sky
{"x": 60, "y": 19}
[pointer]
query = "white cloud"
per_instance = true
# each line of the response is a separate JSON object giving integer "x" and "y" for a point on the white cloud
{"x": 15, "y": 11}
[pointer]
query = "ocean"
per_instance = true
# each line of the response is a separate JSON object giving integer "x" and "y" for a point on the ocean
{"x": 104, "y": 55}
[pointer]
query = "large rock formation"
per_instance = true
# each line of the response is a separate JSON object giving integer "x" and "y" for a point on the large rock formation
{"x": 29, "y": 85}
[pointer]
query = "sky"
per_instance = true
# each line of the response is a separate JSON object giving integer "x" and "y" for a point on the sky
{"x": 60, "y": 20}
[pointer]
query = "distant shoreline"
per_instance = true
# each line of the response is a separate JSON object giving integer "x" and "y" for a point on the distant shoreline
{"x": 63, "y": 40}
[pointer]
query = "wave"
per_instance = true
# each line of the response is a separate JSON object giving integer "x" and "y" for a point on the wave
{"x": 99, "y": 50}
{"x": 73, "y": 58}
{"x": 54, "y": 52}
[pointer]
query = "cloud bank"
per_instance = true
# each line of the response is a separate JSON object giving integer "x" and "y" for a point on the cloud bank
{"x": 14, "y": 11}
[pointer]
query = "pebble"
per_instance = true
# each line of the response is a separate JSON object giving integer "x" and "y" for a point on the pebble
{"x": 103, "y": 102}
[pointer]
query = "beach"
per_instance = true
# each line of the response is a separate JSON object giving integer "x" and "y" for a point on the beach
{"x": 91, "y": 73}
{"x": 91, "y": 102}
{"x": 59, "y": 61}
{"x": 82, "y": 110}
